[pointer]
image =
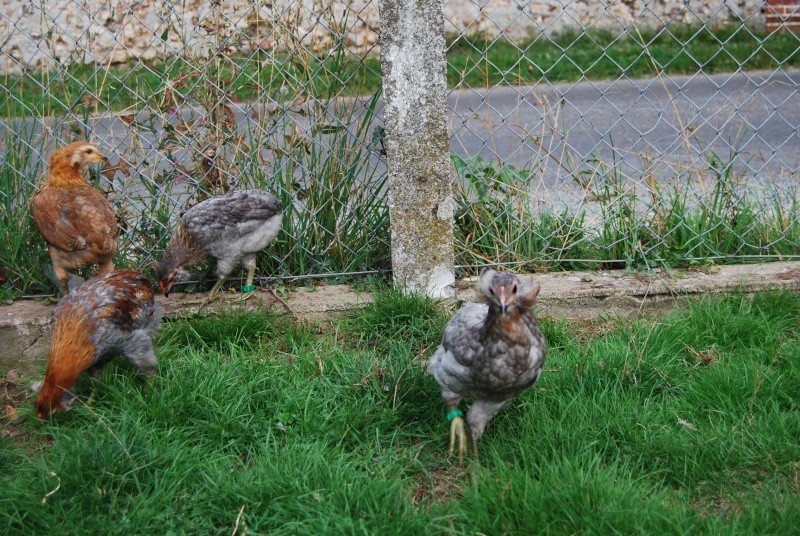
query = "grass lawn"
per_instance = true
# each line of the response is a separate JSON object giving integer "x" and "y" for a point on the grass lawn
{"x": 471, "y": 62}
{"x": 683, "y": 425}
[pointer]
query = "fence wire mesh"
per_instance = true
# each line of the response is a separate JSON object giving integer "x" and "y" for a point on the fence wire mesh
{"x": 636, "y": 133}
{"x": 583, "y": 133}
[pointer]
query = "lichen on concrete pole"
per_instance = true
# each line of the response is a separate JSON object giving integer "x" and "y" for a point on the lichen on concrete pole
{"x": 418, "y": 145}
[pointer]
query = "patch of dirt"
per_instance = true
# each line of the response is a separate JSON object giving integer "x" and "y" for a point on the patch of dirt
{"x": 790, "y": 275}
{"x": 588, "y": 330}
{"x": 723, "y": 507}
{"x": 12, "y": 396}
{"x": 440, "y": 485}
{"x": 705, "y": 356}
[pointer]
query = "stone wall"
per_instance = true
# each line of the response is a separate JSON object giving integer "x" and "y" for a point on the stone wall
{"x": 38, "y": 34}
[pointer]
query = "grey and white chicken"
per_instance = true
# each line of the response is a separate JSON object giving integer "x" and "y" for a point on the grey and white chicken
{"x": 490, "y": 351}
{"x": 231, "y": 228}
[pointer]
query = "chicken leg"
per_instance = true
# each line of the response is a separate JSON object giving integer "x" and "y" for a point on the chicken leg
{"x": 62, "y": 276}
{"x": 248, "y": 289}
{"x": 457, "y": 425}
{"x": 213, "y": 294}
{"x": 458, "y": 430}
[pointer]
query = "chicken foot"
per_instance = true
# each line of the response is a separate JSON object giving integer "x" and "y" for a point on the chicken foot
{"x": 458, "y": 430}
{"x": 213, "y": 294}
{"x": 248, "y": 289}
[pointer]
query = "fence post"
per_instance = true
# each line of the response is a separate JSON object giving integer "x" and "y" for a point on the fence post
{"x": 418, "y": 145}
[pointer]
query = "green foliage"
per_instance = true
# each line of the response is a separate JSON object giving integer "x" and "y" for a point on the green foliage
{"x": 683, "y": 425}
{"x": 330, "y": 178}
{"x": 336, "y": 217}
{"x": 497, "y": 219}
{"x": 606, "y": 55}
{"x": 472, "y": 62}
{"x": 22, "y": 250}
{"x": 500, "y": 220}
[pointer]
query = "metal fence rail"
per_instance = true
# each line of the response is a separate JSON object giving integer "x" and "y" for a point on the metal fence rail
{"x": 633, "y": 168}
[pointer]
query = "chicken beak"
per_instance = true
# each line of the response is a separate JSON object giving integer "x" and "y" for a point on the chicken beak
{"x": 503, "y": 301}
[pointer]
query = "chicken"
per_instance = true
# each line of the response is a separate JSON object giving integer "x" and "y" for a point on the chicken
{"x": 109, "y": 314}
{"x": 490, "y": 351}
{"x": 231, "y": 228}
{"x": 76, "y": 220}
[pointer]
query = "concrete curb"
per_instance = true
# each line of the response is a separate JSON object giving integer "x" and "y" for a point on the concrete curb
{"x": 581, "y": 295}
{"x": 24, "y": 336}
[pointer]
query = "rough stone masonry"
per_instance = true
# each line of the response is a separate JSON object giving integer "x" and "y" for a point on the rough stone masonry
{"x": 39, "y": 35}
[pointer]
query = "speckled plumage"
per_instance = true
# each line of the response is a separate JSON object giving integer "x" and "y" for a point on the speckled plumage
{"x": 232, "y": 228}
{"x": 490, "y": 351}
{"x": 112, "y": 314}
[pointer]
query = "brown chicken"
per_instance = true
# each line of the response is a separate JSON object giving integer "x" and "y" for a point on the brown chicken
{"x": 76, "y": 220}
{"x": 232, "y": 228}
{"x": 107, "y": 315}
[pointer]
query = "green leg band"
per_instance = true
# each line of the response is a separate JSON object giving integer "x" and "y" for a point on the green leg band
{"x": 453, "y": 414}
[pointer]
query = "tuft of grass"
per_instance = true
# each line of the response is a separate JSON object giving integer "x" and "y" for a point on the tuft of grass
{"x": 684, "y": 424}
{"x": 397, "y": 315}
{"x": 22, "y": 250}
{"x": 500, "y": 219}
{"x": 336, "y": 216}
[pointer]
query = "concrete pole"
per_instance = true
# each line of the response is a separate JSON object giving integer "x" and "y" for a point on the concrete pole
{"x": 418, "y": 145}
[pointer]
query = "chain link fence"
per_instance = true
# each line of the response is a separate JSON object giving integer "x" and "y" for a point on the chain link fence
{"x": 624, "y": 134}
{"x": 583, "y": 134}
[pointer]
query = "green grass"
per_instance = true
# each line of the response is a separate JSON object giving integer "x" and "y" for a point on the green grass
{"x": 499, "y": 219}
{"x": 683, "y": 425}
{"x": 160, "y": 84}
{"x": 472, "y": 62}
{"x": 336, "y": 217}
{"x": 22, "y": 250}
{"x": 603, "y": 54}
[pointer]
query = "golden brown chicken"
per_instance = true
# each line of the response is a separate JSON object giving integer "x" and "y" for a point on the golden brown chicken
{"x": 75, "y": 219}
{"x": 105, "y": 316}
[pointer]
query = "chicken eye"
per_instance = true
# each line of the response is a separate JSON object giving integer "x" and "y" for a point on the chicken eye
{"x": 514, "y": 289}
{"x": 491, "y": 291}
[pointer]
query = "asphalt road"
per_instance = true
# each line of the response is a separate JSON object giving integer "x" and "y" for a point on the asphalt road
{"x": 651, "y": 128}
{"x": 664, "y": 125}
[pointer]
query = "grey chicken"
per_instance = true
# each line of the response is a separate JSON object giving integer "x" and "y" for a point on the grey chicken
{"x": 490, "y": 351}
{"x": 109, "y": 314}
{"x": 231, "y": 228}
